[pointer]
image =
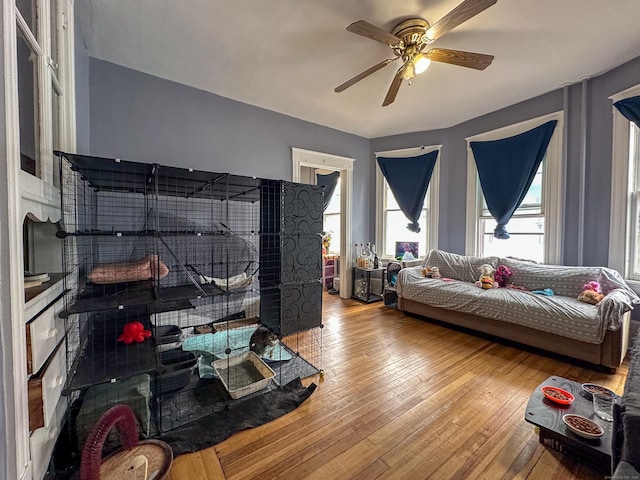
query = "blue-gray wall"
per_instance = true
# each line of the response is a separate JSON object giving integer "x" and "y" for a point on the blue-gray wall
{"x": 597, "y": 157}
{"x": 140, "y": 117}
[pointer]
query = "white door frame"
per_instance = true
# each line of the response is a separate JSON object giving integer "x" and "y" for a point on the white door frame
{"x": 344, "y": 165}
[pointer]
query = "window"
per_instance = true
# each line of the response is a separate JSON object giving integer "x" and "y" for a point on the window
{"x": 391, "y": 223}
{"x": 307, "y": 160}
{"x": 45, "y": 83}
{"x": 633, "y": 232}
{"x": 526, "y": 227}
{"x": 536, "y": 226}
{"x": 624, "y": 241}
{"x": 331, "y": 221}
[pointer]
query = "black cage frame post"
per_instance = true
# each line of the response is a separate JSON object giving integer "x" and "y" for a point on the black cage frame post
{"x": 185, "y": 290}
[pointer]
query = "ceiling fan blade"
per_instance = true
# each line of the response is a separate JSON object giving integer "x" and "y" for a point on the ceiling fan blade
{"x": 460, "y": 14}
{"x": 477, "y": 61}
{"x": 369, "y": 30}
{"x": 364, "y": 74}
{"x": 393, "y": 89}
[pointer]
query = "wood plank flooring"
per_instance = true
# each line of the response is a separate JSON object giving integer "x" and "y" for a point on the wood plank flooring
{"x": 404, "y": 398}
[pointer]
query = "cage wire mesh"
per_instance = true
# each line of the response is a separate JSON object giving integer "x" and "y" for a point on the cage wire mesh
{"x": 186, "y": 290}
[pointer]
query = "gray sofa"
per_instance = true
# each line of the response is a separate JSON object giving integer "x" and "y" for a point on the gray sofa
{"x": 626, "y": 423}
{"x": 559, "y": 323}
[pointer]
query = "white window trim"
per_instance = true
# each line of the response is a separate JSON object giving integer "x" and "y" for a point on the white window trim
{"x": 620, "y": 168}
{"x": 434, "y": 192}
{"x": 344, "y": 165}
{"x": 553, "y": 186}
{"x": 14, "y": 415}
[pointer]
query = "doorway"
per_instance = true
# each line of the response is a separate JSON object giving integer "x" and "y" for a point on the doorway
{"x": 306, "y": 164}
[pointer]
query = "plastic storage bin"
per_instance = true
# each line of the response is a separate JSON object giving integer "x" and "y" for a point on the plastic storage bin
{"x": 176, "y": 369}
{"x": 168, "y": 337}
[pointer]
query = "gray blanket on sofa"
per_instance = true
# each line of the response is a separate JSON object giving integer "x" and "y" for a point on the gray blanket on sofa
{"x": 562, "y": 314}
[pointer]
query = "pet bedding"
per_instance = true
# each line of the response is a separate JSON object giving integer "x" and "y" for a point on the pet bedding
{"x": 213, "y": 346}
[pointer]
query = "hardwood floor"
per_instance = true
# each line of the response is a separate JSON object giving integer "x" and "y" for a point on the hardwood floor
{"x": 404, "y": 398}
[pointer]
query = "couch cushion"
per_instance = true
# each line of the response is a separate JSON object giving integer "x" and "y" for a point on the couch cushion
{"x": 458, "y": 267}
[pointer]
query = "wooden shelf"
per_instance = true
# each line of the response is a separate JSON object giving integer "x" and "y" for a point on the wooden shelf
{"x": 33, "y": 292}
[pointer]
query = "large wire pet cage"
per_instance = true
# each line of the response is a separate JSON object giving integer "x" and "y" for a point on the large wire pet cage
{"x": 173, "y": 276}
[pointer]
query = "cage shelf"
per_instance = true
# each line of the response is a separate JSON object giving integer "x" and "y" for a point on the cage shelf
{"x": 98, "y": 298}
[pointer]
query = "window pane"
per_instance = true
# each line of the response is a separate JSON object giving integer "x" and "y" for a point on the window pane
{"x": 26, "y": 10}
{"x": 532, "y": 202}
{"x": 634, "y": 155}
{"x": 396, "y": 231}
{"x": 390, "y": 201}
{"x": 54, "y": 35}
{"x": 634, "y": 204}
{"x": 332, "y": 225}
{"x": 533, "y": 198}
{"x": 26, "y": 107}
{"x": 55, "y": 117}
{"x": 527, "y": 239}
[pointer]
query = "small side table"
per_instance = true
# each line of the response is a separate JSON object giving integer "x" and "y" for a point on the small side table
{"x": 547, "y": 416}
{"x": 368, "y": 284}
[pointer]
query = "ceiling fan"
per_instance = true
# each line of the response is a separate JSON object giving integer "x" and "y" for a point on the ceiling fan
{"x": 408, "y": 40}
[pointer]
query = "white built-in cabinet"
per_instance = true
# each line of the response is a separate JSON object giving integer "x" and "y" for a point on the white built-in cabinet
{"x": 37, "y": 51}
{"x": 44, "y": 331}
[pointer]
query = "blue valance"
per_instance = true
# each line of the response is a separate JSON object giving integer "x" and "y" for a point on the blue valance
{"x": 506, "y": 168}
{"x": 408, "y": 179}
{"x": 329, "y": 183}
{"x": 630, "y": 108}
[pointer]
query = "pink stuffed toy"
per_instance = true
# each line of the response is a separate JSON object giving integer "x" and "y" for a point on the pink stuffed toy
{"x": 593, "y": 285}
{"x": 591, "y": 293}
{"x": 502, "y": 275}
{"x": 133, "y": 332}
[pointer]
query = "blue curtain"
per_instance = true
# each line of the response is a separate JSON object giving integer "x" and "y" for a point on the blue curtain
{"x": 506, "y": 168}
{"x": 408, "y": 179}
{"x": 630, "y": 108}
{"x": 329, "y": 183}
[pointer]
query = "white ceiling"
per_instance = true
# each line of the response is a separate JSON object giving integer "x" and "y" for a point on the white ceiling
{"x": 289, "y": 55}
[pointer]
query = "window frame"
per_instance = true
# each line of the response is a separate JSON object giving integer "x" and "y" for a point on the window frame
{"x": 620, "y": 242}
{"x": 552, "y": 187}
{"x": 51, "y": 79}
{"x": 433, "y": 195}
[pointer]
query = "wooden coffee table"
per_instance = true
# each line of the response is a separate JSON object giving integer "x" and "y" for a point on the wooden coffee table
{"x": 547, "y": 415}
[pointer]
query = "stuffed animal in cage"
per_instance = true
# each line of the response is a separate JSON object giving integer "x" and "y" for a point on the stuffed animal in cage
{"x": 133, "y": 332}
{"x": 502, "y": 275}
{"x": 486, "y": 280}
{"x": 591, "y": 293}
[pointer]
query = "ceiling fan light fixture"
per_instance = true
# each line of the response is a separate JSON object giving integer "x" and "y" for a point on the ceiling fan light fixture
{"x": 409, "y": 70}
{"x": 421, "y": 63}
{"x": 409, "y": 38}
